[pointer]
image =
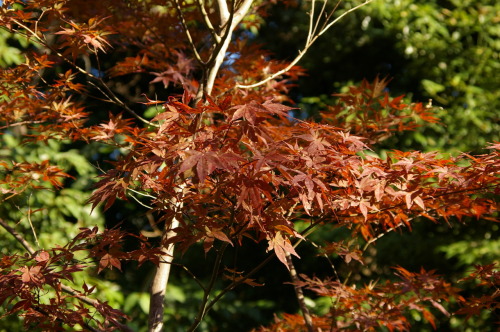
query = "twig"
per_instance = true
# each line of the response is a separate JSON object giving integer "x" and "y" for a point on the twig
{"x": 114, "y": 98}
{"x": 191, "y": 274}
{"x": 256, "y": 269}
{"x": 18, "y": 237}
{"x": 347, "y": 12}
{"x": 368, "y": 243}
{"x": 188, "y": 34}
{"x": 311, "y": 38}
{"x": 207, "y": 290}
{"x": 234, "y": 284}
{"x": 138, "y": 201}
{"x": 206, "y": 19}
{"x": 31, "y": 223}
{"x": 22, "y": 123}
{"x": 60, "y": 321}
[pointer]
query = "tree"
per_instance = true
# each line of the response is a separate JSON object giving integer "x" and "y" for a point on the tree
{"x": 440, "y": 50}
{"x": 202, "y": 139}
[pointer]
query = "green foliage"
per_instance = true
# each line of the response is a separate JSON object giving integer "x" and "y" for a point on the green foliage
{"x": 476, "y": 247}
{"x": 51, "y": 217}
{"x": 10, "y": 48}
{"x": 447, "y": 51}
{"x": 452, "y": 50}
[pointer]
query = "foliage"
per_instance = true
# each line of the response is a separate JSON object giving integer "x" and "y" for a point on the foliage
{"x": 221, "y": 165}
{"x": 446, "y": 51}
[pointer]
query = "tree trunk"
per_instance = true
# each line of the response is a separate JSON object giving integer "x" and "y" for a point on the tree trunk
{"x": 160, "y": 281}
{"x": 230, "y": 18}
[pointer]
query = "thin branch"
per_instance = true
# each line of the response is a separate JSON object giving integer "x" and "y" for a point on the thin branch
{"x": 18, "y": 237}
{"x": 31, "y": 223}
{"x": 20, "y": 124}
{"x": 311, "y": 20}
{"x": 142, "y": 194}
{"x": 66, "y": 289}
{"x": 368, "y": 243}
{"x": 114, "y": 98}
{"x": 329, "y": 16}
{"x": 188, "y": 34}
{"x": 191, "y": 274}
{"x": 215, "y": 271}
{"x": 309, "y": 42}
{"x": 256, "y": 269}
{"x": 207, "y": 290}
{"x": 206, "y": 19}
{"x": 84, "y": 325}
{"x": 140, "y": 203}
{"x": 319, "y": 18}
{"x": 152, "y": 222}
{"x": 299, "y": 293}
{"x": 347, "y": 12}
{"x": 234, "y": 284}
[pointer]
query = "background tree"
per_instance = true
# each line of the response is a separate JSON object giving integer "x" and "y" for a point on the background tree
{"x": 222, "y": 168}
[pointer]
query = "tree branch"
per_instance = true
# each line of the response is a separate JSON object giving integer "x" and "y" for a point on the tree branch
{"x": 18, "y": 237}
{"x": 229, "y": 24}
{"x": 67, "y": 289}
{"x": 112, "y": 98}
{"x": 299, "y": 293}
{"x": 223, "y": 11}
{"x": 206, "y": 19}
{"x": 311, "y": 38}
{"x": 207, "y": 290}
{"x": 160, "y": 280}
{"x": 188, "y": 34}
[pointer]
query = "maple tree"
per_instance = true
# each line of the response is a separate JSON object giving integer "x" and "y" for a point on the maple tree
{"x": 221, "y": 161}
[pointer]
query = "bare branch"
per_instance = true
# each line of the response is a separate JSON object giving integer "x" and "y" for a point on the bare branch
{"x": 223, "y": 11}
{"x": 31, "y": 223}
{"x": 17, "y": 236}
{"x": 20, "y": 124}
{"x": 188, "y": 34}
{"x": 311, "y": 38}
{"x": 114, "y": 99}
{"x": 319, "y": 19}
{"x": 207, "y": 290}
{"x": 206, "y": 19}
{"x": 347, "y": 12}
{"x": 299, "y": 293}
{"x": 191, "y": 274}
{"x": 311, "y": 22}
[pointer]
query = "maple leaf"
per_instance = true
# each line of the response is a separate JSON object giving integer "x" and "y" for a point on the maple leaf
{"x": 108, "y": 261}
{"x": 32, "y": 275}
{"x": 281, "y": 245}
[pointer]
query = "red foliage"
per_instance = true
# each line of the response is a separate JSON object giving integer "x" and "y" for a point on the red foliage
{"x": 226, "y": 166}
